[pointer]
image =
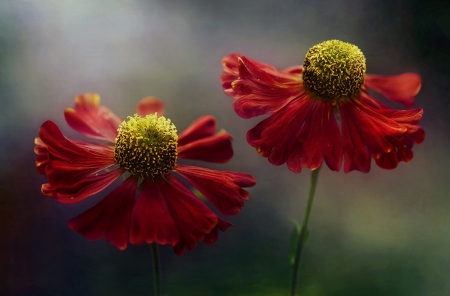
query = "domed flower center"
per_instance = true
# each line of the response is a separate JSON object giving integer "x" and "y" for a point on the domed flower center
{"x": 146, "y": 146}
{"x": 334, "y": 69}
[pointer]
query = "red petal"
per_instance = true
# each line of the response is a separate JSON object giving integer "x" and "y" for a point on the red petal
{"x": 150, "y": 105}
{"x": 216, "y": 148}
{"x": 222, "y": 225}
{"x": 294, "y": 159}
{"x": 222, "y": 189}
{"x": 405, "y": 117}
{"x": 255, "y": 69}
{"x": 400, "y": 88}
{"x": 180, "y": 248}
{"x": 42, "y": 158}
{"x": 76, "y": 153}
{"x": 257, "y": 87}
{"x": 419, "y": 136}
{"x": 295, "y": 70}
{"x": 91, "y": 119}
{"x": 210, "y": 238}
{"x": 74, "y": 191}
{"x": 387, "y": 160}
{"x": 403, "y": 149}
{"x": 375, "y": 128}
{"x": 231, "y": 65}
{"x": 152, "y": 220}
{"x": 321, "y": 138}
{"x": 110, "y": 218}
{"x": 72, "y": 166}
{"x": 276, "y": 137}
{"x": 192, "y": 217}
{"x": 63, "y": 173}
{"x": 382, "y": 131}
{"x": 203, "y": 127}
{"x": 356, "y": 154}
{"x": 366, "y": 99}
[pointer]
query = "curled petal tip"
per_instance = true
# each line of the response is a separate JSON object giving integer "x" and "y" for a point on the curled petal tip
{"x": 150, "y": 105}
{"x": 89, "y": 98}
{"x": 69, "y": 111}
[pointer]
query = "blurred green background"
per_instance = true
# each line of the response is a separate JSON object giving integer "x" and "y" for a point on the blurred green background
{"x": 381, "y": 233}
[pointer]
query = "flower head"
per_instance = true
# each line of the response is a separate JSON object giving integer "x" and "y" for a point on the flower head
{"x": 333, "y": 70}
{"x": 145, "y": 148}
{"x": 305, "y": 103}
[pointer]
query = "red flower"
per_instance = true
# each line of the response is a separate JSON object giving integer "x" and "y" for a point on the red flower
{"x": 146, "y": 148}
{"x": 304, "y": 101}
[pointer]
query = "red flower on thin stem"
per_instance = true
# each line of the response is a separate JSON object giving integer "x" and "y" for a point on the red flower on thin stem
{"x": 305, "y": 102}
{"x": 146, "y": 149}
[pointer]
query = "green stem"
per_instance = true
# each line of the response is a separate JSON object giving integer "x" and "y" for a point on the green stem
{"x": 156, "y": 269}
{"x": 303, "y": 233}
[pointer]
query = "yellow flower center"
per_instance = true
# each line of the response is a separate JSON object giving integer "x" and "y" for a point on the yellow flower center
{"x": 333, "y": 70}
{"x": 147, "y": 146}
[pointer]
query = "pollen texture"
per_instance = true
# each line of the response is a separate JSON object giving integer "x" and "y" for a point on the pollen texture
{"x": 333, "y": 70}
{"x": 147, "y": 146}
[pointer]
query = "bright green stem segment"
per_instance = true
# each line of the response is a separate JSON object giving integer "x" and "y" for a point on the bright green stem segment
{"x": 156, "y": 269}
{"x": 303, "y": 233}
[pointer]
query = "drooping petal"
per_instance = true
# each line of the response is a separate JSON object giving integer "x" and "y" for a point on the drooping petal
{"x": 294, "y": 158}
{"x": 192, "y": 217}
{"x": 276, "y": 136}
{"x": 257, "y": 87}
{"x": 73, "y": 191}
{"x": 399, "y": 88}
{"x": 382, "y": 131}
{"x": 203, "y": 127}
{"x": 216, "y": 148}
{"x": 356, "y": 154}
{"x": 418, "y": 136}
{"x": 223, "y": 189}
{"x": 388, "y": 160}
{"x": 151, "y": 220}
{"x": 404, "y": 146}
{"x": 212, "y": 237}
{"x": 110, "y": 218}
{"x": 150, "y": 105}
{"x": 91, "y": 119}
{"x": 400, "y": 147}
{"x": 321, "y": 139}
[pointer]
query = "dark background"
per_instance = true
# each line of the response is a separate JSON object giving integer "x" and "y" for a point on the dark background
{"x": 380, "y": 233}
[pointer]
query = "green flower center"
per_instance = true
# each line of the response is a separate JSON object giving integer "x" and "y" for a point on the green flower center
{"x": 147, "y": 146}
{"x": 333, "y": 70}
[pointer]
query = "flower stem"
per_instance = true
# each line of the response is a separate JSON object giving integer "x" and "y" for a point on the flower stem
{"x": 156, "y": 269}
{"x": 303, "y": 233}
